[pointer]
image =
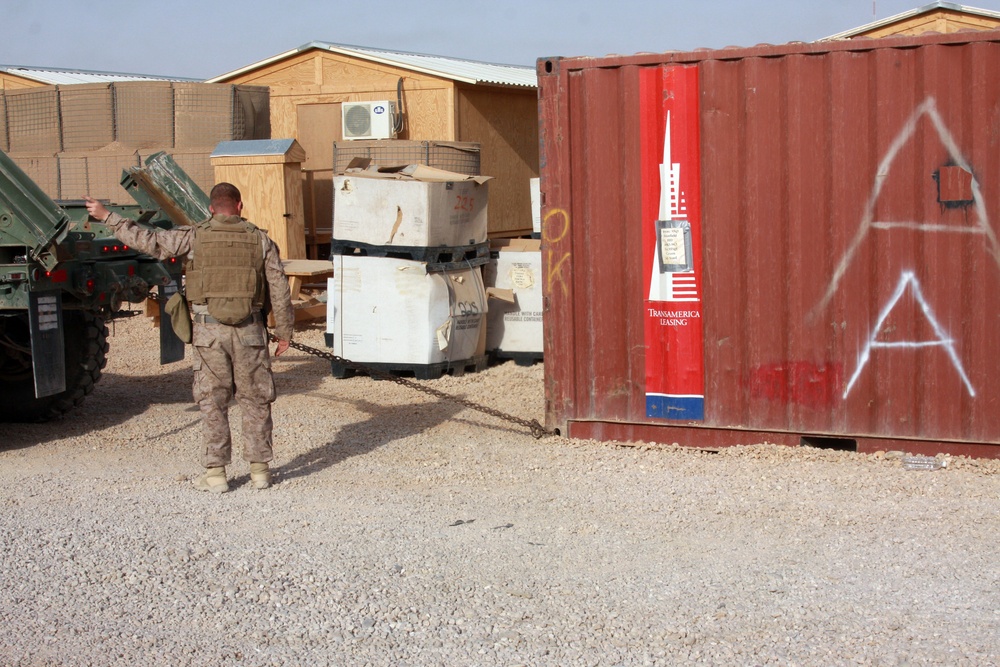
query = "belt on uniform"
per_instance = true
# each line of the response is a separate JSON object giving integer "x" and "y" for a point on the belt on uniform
{"x": 202, "y": 318}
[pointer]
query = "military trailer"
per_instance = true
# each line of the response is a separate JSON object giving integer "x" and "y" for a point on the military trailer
{"x": 62, "y": 276}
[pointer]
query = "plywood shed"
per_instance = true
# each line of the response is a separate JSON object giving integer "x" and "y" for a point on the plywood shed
{"x": 268, "y": 173}
{"x": 942, "y": 17}
{"x": 441, "y": 99}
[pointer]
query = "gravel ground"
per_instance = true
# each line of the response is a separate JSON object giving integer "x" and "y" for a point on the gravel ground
{"x": 406, "y": 530}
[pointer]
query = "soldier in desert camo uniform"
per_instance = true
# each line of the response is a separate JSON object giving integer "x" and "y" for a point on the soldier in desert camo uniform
{"x": 233, "y": 270}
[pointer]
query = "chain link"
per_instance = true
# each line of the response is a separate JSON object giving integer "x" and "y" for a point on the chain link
{"x": 537, "y": 430}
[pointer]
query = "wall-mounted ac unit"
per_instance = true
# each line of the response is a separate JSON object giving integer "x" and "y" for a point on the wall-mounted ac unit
{"x": 369, "y": 120}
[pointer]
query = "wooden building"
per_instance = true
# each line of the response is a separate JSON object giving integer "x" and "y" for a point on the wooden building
{"x": 14, "y": 77}
{"x": 440, "y": 99}
{"x": 942, "y": 17}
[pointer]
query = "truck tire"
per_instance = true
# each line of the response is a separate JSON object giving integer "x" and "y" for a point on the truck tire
{"x": 86, "y": 344}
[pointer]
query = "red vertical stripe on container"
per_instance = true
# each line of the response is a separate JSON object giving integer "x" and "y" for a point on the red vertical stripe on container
{"x": 675, "y": 372}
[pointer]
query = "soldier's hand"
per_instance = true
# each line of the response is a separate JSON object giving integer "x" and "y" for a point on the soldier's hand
{"x": 282, "y": 346}
{"x": 96, "y": 209}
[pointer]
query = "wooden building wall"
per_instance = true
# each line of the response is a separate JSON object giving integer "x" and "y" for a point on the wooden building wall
{"x": 307, "y": 91}
{"x": 505, "y": 123}
{"x": 14, "y": 82}
{"x": 938, "y": 20}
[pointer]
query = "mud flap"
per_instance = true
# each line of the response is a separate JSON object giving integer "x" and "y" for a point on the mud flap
{"x": 171, "y": 347}
{"x": 48, "y": 350}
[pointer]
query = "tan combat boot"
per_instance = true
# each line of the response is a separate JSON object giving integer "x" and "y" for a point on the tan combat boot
{"x": 214, "y": 480}
{"x": 260, "y": 475}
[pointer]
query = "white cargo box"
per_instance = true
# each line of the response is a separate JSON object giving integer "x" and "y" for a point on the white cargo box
{"x": 417, "y": 207}
{"x": 514, "y": 326}
{"x": 382, "y": 310}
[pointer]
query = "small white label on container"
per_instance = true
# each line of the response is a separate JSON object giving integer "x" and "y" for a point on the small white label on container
{"x": 672, "y": 247}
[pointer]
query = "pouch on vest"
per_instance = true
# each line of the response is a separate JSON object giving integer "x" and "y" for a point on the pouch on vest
{"x": 230, "y": 310}
{"x": 180, "y": 319}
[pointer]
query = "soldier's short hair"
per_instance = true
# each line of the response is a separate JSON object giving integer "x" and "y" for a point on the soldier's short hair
{"x": 225, "y": 195}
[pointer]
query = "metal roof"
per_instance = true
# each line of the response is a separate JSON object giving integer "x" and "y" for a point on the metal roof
{"x": 59, "y": 76}
{"x": 457, "y": 69}
{"x": 253, "y": 147}
{"x": 874, "y": 25}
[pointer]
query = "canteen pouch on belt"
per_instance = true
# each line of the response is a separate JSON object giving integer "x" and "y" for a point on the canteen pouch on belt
{"x": 177, "y": 308}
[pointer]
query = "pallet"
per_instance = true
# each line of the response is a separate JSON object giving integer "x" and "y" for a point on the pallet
{"x": 520, "y": 358}
{"x": 437, "y": 258}
{"x": 419, "y": 371}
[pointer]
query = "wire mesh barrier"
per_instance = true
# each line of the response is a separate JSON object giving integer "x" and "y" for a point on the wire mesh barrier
{"x": 87, "y": 114}
{"x": 77, "y": 139}
{"x": 458, "y": 156}
{"x": 33, "y": 120}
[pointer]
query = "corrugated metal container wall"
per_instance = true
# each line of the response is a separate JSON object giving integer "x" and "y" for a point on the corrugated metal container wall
{"x": 792, "y": 244}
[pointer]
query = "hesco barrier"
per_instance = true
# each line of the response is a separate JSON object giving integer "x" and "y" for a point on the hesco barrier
{"x": 785, "y": 243}
{"x": 76, "y": 139}
{"x": 459, "y": 156}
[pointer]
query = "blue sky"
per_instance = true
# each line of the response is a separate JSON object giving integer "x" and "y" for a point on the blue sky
{"x": 210, "y": 37}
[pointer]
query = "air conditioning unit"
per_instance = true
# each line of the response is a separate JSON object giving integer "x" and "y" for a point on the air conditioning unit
{"x": 369, "y": 120}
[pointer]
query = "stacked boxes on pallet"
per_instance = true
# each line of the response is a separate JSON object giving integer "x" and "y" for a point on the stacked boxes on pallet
{"x": 513, "y": 282}
{"x": 407, "y": 292}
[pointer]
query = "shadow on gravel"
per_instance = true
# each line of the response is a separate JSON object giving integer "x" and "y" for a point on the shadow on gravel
{"x": 120, "y": 397}
{"x": 115, "y": 399}
{"x": 386, "y": 424}
{"x": 495, "y": 424}
{"x": 12, "y": 441}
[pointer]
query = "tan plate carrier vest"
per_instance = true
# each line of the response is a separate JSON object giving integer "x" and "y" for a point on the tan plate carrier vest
{"x": 226, "y": 272}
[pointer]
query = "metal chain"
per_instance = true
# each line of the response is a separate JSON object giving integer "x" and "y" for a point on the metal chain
{"x": 537, "y": 430}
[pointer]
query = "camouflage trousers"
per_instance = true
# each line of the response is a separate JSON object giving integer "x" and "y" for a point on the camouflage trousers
{"x": 232, "y": 360}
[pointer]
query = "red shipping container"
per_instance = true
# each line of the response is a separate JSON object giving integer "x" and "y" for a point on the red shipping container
{"x": 786, "y": 243}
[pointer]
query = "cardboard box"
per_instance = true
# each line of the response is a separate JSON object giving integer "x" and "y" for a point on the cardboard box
{"x": 383, "y": 310}
{"x": 415, "y": 206}
{"x": 514, "y": 322}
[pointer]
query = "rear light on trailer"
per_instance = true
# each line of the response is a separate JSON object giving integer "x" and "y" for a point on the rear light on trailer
{"x": 57, "y": 276}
